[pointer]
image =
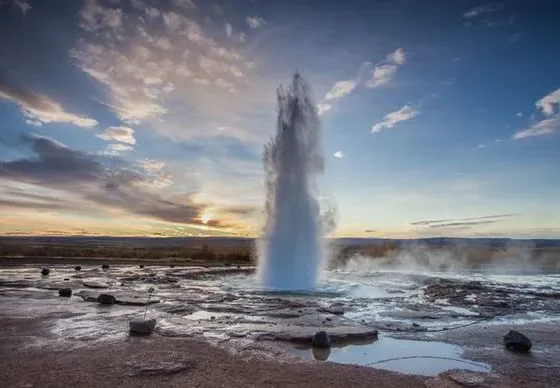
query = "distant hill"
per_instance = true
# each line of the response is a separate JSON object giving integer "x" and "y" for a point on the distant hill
{"x": 243, "y": 242}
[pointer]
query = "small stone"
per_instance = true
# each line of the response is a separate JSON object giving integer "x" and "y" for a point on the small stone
{"x": 66, "y": 279}
{"x": 77, "y": 268}
{"x": 328, "y": 319}
{"x": 517, "y": 342}
{"x": 45, "y": 271}
{"x": 141, "y": 266}
{"x": 106, "y": 299}
{"x": 66, "y": 292}
{"x": 105, "y": 266}
{"x": 142, "y": 327}
{"x": 321, "y": 340}
{"x": 212, "y": 317}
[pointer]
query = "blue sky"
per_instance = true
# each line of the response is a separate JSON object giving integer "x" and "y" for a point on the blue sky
{"x": 144, "y": 117}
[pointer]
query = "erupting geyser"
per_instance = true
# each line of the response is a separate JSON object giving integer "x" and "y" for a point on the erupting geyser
{"x": 292, "y": 246}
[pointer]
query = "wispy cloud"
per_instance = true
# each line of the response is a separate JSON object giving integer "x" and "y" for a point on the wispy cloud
{"x": 482, "y": 10}
{"x": 463, "y": 222}
{"x": 121, "y": 134}
{"x": 405, "y": 113}
{"x": 254, "y": 21}
{"x": 40, "y": 109}
{"x": 380, "y": 75}
{"x": 117, "y": 149}
{"x": 23, "y": 6}
{"x": 339, "y": 154}
{"x": 384, "y": 73}
{"x": 549, "y": 106}
{"x": 341, "y": 89}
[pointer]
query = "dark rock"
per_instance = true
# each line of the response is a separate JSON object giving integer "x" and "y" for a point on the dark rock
{"x": 171, "y": 266}
{"x": 517, "y": 342}
{"x": 141, "y": 266}
{"x": 66, "y": 279}
{"x": 45, "y": 271}
{"x": 77, "y": 268}
{"x": 106, "y": 299}
{"x": 142, "y": 327}
{"x": 321, "y": 340}
{"x": 104, "y": 266}
{"x": 67, "y": 292}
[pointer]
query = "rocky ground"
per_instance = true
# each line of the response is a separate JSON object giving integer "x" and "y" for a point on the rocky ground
{"x": 208, "y": 335}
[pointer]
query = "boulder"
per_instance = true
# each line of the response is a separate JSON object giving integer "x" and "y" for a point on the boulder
{"x": 106, "y": 299}
{"x": 104, "y": 266}
{"x": 66, "y": 292}
{"x": 77, "y": 268}
{"x": 142, "y": 327}
{"x": 45, "y": 271}
{"x": 517, "y": 342}
{"x": 141, "y": 266}
{"x": 321, "y": 340}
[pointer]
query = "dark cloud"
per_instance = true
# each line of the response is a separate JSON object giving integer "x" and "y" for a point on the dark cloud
{"x": 240, "y": 210}
{"x": 463, "y": 221}
{"x": 109, "y": 182}
{"x": 40, "y": 109}
{"x": 463, "y": 224}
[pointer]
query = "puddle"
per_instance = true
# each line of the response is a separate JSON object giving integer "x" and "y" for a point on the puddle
{"x": 404, "y": 356}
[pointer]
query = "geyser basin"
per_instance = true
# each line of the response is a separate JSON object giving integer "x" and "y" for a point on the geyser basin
{"x": 291, "y": 248}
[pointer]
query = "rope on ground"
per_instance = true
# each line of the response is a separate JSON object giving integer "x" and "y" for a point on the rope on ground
{"x": 429, "y": 357}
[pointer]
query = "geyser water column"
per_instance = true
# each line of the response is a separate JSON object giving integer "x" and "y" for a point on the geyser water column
{"x": 291, "y": 249}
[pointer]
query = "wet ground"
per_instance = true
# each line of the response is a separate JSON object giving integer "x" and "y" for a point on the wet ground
{"x": 414, "y": 313}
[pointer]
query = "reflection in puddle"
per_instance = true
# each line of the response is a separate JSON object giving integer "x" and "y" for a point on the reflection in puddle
{"x": 405, "y": 356}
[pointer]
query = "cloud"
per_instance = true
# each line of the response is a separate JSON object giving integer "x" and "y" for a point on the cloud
{"x": 155, "y": 60}
{"x": 23, "y": 5}
{"x": 519, "y": 114}
{"x": 397, "y": 57}
{"x": 549, "y": 105}
{"x": 117, "y": 149}
{"x": 121, "y": 134}
{"x": 228, "y": 28}
{"x": 405, "y": 113}
{"x": 540, "y": 128}
{"x": 482, "y": 10}
{"x": 378, "y": 76}
{"x": 107, "y": 183}
{"x": 40, "y": 109}
{"x": 322, "y": 108}
{"x": 462, "y": 224}
{"x": 339, "y": 154}
{"x": 186, "y": 4}
{"x": 254, "y": 21}
{"x": 480, "y": 146}
{"x": 490, "y": 16}
{"x": 469, "y": 221}
{"x": 383, "y": 73}
{"x": 341, "y": 89}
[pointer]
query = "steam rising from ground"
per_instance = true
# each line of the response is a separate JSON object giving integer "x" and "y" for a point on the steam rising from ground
{"x": 515, "y": 258}
{"x": 292, "y": 248}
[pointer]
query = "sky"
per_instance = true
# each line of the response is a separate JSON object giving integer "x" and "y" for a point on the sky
{"x": 149, "y": 118}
